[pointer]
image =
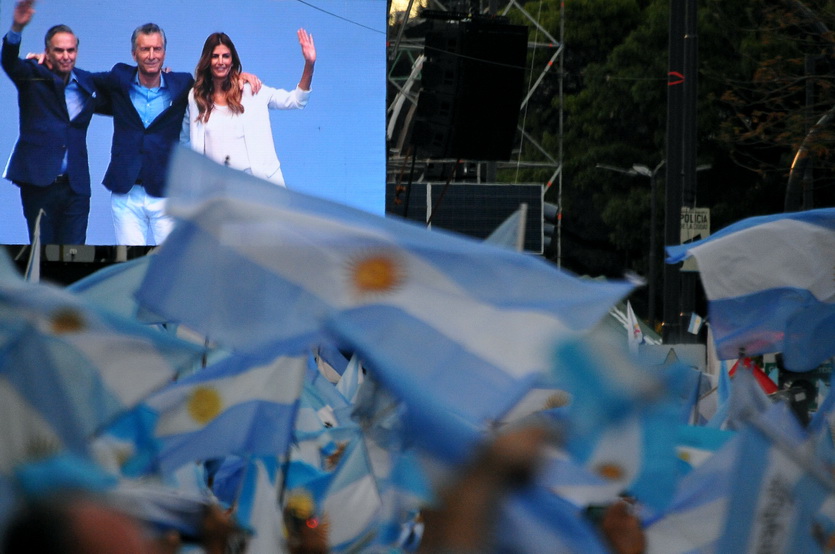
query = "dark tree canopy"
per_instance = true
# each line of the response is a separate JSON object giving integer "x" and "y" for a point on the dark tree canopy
{"x": 765, "y": 109}
{"x": 764, "y": 82}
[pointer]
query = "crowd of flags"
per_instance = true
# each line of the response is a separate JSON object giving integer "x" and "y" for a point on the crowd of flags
{"x": 283, "y": 354}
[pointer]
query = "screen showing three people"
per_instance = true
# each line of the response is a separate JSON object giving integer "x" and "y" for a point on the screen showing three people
{"x": 333, "y": 148}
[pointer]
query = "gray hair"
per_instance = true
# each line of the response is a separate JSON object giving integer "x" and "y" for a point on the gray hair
{"x": 147, "y": 29}
{"x": 54, "y": 30}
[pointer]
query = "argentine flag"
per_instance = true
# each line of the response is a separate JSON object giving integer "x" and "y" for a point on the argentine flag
{"x": 251, "y": 264}
{"x": 769, "y": 282}
{"x": 67, "y": 369}
{"x": 243, "y": 405}
{"x": 781, "y": 499}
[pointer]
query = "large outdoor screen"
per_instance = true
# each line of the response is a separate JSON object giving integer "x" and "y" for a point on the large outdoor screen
{"x": 334, "y": 148}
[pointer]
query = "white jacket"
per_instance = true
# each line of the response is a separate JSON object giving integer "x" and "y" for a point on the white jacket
{"x": 258, "y": 133}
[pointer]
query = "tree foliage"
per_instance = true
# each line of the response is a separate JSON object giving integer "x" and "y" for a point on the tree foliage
{"x": 758, "y": 97}
{"x": 765, "y": 102}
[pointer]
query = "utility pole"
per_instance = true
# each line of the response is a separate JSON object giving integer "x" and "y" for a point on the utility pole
{"x": 674, "y": 174}
{"x": 682, "y": 91}
{"x": 491, "y": 166}
{"x": 640, "y": 169}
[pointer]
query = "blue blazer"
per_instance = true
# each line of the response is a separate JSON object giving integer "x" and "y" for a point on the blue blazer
{"x": 46, "y": 131}
{"x": 138, "y": 153}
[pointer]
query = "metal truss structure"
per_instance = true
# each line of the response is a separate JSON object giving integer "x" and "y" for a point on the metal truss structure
{"x": 403, "y": 50}
{"x": 400, "y": 110}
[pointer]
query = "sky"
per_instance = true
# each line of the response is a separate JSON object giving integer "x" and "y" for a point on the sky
{"x": 334, "y": 148}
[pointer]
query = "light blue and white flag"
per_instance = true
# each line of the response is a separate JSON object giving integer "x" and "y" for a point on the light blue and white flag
{"x": 695, "y": 324}
{"x": 577, "y": 483}
{"x": 242, "y": 405}
{"x": 696, "y": 444}
{"x": 258, "y": 510}
{"x": 162, "y": 507}
{"x": 746, "y": 399}
{"x": 344, "y": 495}
{"x": 623, "y": 415}
{"x": 779, "y": 495}
{"x": 769, "y": 284}
{"x": 350, "y": 381}
{"x": 74, "y": 366}
{"x": 352, "y": 502}
{"x": 694, "y": 520}
{"x": 113, "y": 287}
{"x": 273, "y": 266}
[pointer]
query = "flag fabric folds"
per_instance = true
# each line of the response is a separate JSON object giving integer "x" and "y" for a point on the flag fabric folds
{"x": 769, "y": 284}
{"x": 112, "y": 288}
{"x": 74, "y": 368}
{"x": 623, "y": 415}
{"x": 694, "y": 520}
{"x": 282, "y": 265}
{"x": 242, "y": 405}
{"x": 779, "y": 496}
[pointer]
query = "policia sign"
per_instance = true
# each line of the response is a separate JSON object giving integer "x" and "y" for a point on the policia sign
{"x": 695, "y": 225}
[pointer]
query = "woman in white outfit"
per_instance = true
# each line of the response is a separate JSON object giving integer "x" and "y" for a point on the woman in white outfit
{"x": 230, "y": 124}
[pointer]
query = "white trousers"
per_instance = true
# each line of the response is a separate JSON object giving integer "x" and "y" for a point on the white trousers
{"x": 139, "y": 218}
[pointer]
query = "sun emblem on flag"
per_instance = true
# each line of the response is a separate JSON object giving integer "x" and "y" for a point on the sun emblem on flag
{"x": 123, "y": 454}
{"x": 300, "y": 504}
{"x": 611, "y": 471}
{"x": 204, "y": 404}
{"x": 66, "y": 320}
{"x": 40, "y": 447}
{"x": 558, "y": 399}
{"x": 377, "y": 273}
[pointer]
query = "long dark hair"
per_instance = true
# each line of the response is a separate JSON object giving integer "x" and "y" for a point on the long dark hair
{"x": 204, "y": 87}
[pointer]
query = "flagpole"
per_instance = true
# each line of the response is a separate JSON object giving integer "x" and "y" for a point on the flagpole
{"x": 523, "y": 221}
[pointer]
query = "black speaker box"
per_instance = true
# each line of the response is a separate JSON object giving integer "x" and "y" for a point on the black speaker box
{"x": 472, "y": 84}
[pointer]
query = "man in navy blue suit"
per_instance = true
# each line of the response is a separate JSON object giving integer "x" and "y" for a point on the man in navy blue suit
{"x": 148, "y": 109}
{"x": 49, "y": 161}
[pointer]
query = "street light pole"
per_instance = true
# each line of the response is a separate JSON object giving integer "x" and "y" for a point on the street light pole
{"x": 653, "y": 240}
{"x": 640, "y": 169}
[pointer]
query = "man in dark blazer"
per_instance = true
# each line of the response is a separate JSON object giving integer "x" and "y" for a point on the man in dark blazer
{"x": 49, "y": 161}
{"x": 148, "y": 108}
{"x": 148, "y": 105}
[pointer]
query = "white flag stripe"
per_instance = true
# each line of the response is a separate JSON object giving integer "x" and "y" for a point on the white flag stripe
{"x": 789, "y": 253}
{"x": 23, "y": 429}
{"x": 468, "y": 319}
{"x": 136, "y": 369}
{"x": 775, "y": 513}
{"x": 351, "y": 510}
{"x": 695, "y": 530}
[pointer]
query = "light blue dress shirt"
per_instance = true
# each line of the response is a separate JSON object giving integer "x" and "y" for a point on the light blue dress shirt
{"x": 149, "y": 102}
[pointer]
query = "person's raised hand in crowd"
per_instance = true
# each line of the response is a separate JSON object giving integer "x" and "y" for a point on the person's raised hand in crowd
{"x": 622, "y": 529}
{"x": 464, "y": 519}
